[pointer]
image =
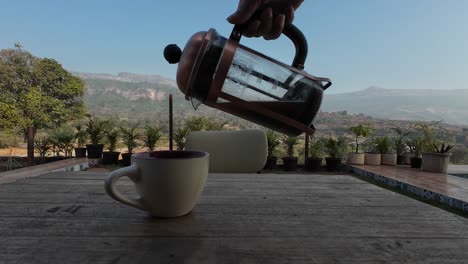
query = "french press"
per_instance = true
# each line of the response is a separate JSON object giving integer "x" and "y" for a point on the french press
{"x": 228, "y": 76}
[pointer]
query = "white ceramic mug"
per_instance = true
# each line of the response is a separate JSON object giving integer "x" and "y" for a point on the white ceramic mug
{"x": 168, "y": 182}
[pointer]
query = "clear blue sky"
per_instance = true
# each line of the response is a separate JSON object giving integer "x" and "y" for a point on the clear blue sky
{"x": 395, "y": 44}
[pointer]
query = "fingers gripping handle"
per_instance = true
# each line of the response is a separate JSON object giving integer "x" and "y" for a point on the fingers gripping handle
{"x": 131, "y": 172}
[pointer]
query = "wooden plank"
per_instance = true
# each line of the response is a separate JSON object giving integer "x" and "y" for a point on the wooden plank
{"x": 238, "y": 219}
{"x": 270, "y": 178}
{"x": 334, "y": 200}
{"x": 232, "y": 250}
{"x": 224, "y": 226}
{"x": 97, "y": 186}
{"x": 117, "y": 210}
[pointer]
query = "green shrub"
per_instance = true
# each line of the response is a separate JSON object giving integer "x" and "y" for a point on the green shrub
{"x": 42, "y": 145}
{"x": 63, "y": 138}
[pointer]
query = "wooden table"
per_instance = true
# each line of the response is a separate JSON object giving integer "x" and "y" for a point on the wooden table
{"x": 262, "y": 218}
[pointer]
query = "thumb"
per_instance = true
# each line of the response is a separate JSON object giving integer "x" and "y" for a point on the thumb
{"x": 245, "y": 10}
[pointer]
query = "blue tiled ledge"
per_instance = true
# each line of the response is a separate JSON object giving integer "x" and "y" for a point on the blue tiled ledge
{"x": 423, "y": 193}
{"x": 79, "y": 167}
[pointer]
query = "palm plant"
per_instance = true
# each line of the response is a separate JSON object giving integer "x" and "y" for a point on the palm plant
{"x": 63, "y": 138}
{"x": 399, "y": 140}
{"x": 95, "y": 129}
{"x": 180, "y": 136}
{"x": 290, "y": 162}
{"x": 273, "y": 140}
{"x": 80, "y": 135}
{"x": 112, "y": 136}
{"x": 151, "y": 136}
{"x": 335, "y": 147}
{"x": 42, "y": 145}
{"x": 383, "y": 145}
{"x": 130, "y": 136}
{"x": 415, "y": 146}
{"x": 290, "y": 142}
{"x": 316, "y": 148}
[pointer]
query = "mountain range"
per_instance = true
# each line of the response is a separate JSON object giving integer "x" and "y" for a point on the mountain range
{"x": 138, "y": 96}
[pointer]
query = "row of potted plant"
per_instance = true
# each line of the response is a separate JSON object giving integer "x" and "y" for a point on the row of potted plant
{"x": 103, "y": 133}
{"x": 332, "y": 147}
{"x": 418, "y": 146}
{"x": 425, "y": 149}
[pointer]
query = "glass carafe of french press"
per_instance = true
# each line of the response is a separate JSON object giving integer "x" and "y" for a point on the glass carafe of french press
{"x": 226, "y": 75}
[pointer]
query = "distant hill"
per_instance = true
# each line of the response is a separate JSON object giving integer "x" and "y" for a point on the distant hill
{"x": 137, "y": 96}
{"x": 141, "y": 97}
{"x": 450, "y": 106}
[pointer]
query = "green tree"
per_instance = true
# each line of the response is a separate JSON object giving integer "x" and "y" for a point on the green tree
{"x": 36, "y": 93}
{"x": 361, "y": 131}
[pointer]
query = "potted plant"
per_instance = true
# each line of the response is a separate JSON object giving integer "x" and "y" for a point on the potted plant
{"x": 438, "y": 160}
{"x": 130, "y": 137}
{"x": 425, "y": 140}
{"x": 180, "y": 136}
{"x": 151, "y": 136}
{"x": 400, "y": 146}
{"x": 111, "y": 156}
{"x": 95, "y": 129}
{"x": 80, "y": 137}
{"x": 273, "y": 140}
{"x": 359, "y": 131}
{"x": 415, "y": 147}
{"x": 290, "y": 161}
{"x": 384, "y": 147}
{"x": 314, "y": 161}
{"x": 334, "y": 149}
{"x": 372, "y": 156}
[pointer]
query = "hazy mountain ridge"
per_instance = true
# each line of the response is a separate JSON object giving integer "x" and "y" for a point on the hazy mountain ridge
{"x": 134, "y": 95}
{"x": 450, "y": 106}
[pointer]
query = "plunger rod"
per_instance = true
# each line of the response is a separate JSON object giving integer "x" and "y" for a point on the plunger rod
{"x": 306, "y": 149}
{"x": 170, "y": 123}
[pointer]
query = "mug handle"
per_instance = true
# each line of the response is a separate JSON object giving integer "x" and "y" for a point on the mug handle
{"x": 130, "y": 172}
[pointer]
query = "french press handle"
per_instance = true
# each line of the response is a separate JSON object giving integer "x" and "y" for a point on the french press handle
{"x": 290, "y": 31}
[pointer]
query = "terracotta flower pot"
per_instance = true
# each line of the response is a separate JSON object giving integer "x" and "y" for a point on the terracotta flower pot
{"x": 389, "y": 159}
{"x": 435, "y": 162}
{"x": 355, "y": 158}
{"x": 373, "y": 159}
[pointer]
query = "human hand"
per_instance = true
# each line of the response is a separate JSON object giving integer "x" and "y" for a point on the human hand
{"x": 270, "y": 22}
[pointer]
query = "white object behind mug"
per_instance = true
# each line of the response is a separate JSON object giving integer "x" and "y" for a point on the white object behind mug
{"x": 168, "y": 182}
{"x": 242, "y": 151}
